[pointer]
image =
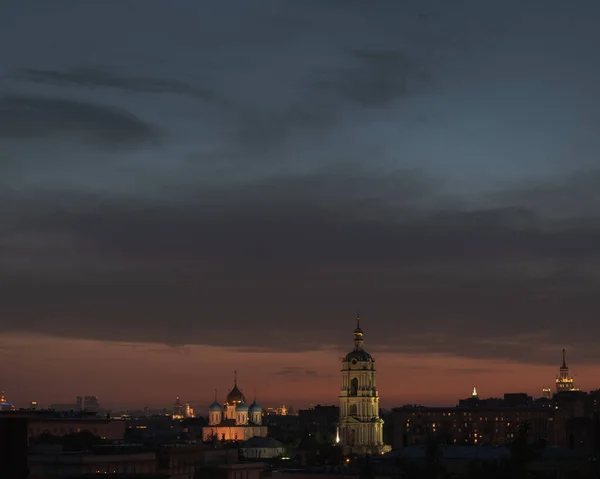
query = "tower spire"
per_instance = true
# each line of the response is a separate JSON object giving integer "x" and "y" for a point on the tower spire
{"x": 215, "y": 395}
{"x": 235, "y": 377}
{"x": 358, "y": 334}
{"x": 564, "y": 364}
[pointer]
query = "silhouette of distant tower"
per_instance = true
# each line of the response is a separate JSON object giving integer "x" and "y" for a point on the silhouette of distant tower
{"x": 564, "y": 381}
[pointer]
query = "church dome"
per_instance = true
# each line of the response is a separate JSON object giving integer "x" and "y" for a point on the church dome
{"x": 215, "y": 406}
{"x": 241, "y": 407}
{"x": 255, "y": 407}
{"x": 359, "y": 355}
{"x": 235, "y": 396}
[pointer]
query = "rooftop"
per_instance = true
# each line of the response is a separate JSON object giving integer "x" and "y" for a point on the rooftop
{"x": 154, "y": 475}
{"x": 51, "y": 414}
{"x": 453, "y": 452}
{"x": 262, "y": 442}
{"x": 91, "y": 458}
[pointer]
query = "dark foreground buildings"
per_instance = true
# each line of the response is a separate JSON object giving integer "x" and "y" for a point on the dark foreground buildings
{"x": 568, "y": 421}
{"x": 13, "y": 448}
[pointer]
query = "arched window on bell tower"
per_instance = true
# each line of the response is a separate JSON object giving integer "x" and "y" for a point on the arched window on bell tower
{"x": 354, "y": 387}
{"x": 353, "y": 410}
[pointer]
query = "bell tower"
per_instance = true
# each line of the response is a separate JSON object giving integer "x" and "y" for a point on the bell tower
{"x": 360, "y": 428}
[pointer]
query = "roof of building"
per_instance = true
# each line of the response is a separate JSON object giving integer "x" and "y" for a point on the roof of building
{"x": 150, "y": 475}
{"x": 561, "y": 453}
{"x": 263, "y": 442}
{"x": 458, "y": 410}
{"x": 226, "y": 423}
{"x": 359, "y": 355}
{"x": 86, "y": 457}
{"x": 215, "y": 406}
{"x": 242, "y": 406}
{"x": 255, "y": 406}
{"x": 454, "y": 452}
{"x": 235, "y": 396}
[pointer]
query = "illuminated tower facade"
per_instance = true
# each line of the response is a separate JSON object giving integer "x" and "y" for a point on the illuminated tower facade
{"x": 360, "y": 429}
{"x": 564, "y": 381}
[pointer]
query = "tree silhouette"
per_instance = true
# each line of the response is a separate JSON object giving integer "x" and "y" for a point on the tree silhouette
{"x": 79, "y": 441}
{"x": 521, "y": 452}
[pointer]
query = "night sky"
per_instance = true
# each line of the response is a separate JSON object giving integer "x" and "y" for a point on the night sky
{"x": 188, "y": 188}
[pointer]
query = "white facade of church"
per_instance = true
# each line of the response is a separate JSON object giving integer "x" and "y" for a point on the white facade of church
{"x": 360, "y": 429}
{"x": 234, "y": 420}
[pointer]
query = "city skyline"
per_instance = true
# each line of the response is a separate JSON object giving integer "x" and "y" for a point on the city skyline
{"x": 218, "y": 186}
{"x": 317, "y": 386}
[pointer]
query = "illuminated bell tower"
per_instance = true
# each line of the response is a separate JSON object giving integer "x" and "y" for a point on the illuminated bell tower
{"x": 564, "y": 381}
{"x": 360, "y": 428}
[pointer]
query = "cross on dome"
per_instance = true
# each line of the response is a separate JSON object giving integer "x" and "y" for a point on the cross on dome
{"x": 358, "y": 334}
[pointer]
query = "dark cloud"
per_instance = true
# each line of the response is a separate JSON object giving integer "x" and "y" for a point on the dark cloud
{"x": 366, "y": 79}
{"x": 369, "y": 79}
{"x": 426, "y": 163}
{"x": 94, "y": 77}
{"x": 576, "y": 194}
{"x": 23, "y": 117}
{"x": 377, "y": 78}
{"x": 503, "y": 279}
{"x": 289, "y": 370}
{"x": 469, "y": 371}
{"x": 293, "y": 372}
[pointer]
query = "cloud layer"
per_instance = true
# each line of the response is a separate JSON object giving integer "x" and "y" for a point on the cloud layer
{"x": 251, "y": 182}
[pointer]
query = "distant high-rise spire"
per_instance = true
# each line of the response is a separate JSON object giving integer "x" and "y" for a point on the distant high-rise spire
{"x": 474, "y": 394}
{"x": 564, "y": 380}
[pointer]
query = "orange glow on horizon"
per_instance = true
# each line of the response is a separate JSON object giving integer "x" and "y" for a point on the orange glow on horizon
{"x": 56, "y": 370}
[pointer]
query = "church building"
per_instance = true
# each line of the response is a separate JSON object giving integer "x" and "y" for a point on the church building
{"x": 360, "y": 429}
{"x": 234, "y": 420}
